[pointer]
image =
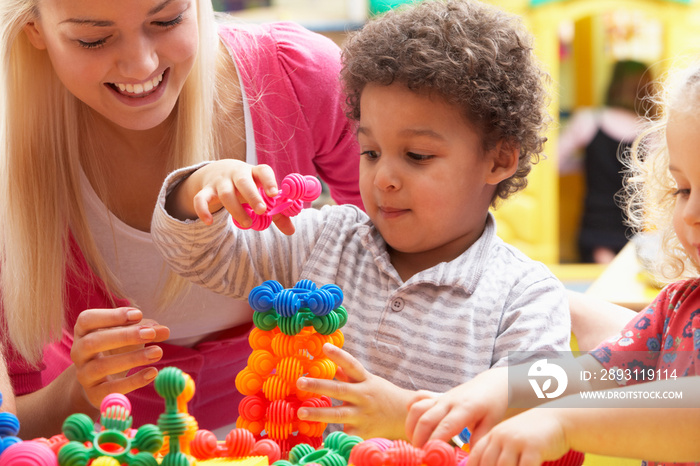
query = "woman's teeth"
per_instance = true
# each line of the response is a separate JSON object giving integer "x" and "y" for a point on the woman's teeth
{"x": 140, "y": 88}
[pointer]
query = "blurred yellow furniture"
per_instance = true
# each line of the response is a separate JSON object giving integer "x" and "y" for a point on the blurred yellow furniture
{"x": 622, "y": 282}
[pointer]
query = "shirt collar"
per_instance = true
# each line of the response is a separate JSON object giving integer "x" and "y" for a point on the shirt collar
{"x": 464, "y": 271}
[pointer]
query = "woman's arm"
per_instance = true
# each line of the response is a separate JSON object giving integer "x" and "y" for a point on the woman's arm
{"x": 8, "y": 397}
{"x": 41, "y": 413}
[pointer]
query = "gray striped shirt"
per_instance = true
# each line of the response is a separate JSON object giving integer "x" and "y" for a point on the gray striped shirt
{"x": 434, "y": 331}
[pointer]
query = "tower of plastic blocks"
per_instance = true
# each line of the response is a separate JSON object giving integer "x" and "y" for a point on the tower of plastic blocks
{"x": 292, "y": 325}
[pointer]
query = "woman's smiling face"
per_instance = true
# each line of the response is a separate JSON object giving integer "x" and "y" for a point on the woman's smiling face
{"x": 127, "y": 60}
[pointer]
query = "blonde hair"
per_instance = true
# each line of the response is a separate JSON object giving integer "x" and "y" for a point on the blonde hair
{"x": 649, "y": 185}
{"x": 43, "y": 138}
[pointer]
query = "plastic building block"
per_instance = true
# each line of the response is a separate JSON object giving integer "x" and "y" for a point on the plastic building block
{"x": 383, "y": 452}
{"x": 115, "y": 444}
{"x": 174, "y": 422}
{"x": 250, "y": 461}
{"x": 9, "y": 428}
{"x": 13, "y": 451}
{"x": 292, "y": 325}
{"x": 294, "y": 191}
{"x": 336, "y": 451}
{"x": 462, "y": 440}
{"x": 239, "y": 443}
{"x": 571, "y": 458}
{"x": 28, "y": 453}
{"x": 190, "y": 423}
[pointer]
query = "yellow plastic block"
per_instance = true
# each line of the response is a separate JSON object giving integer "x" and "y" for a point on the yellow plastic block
{"x": 250, "y": 461}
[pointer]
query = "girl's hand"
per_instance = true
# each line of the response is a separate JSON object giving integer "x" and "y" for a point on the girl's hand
{"x": 372, "y": 406}
{"x": 527, "y": 439}
{"x": 478, "y": 404}
{"x": 228, "y": 184}
{"x": 107, "y": 343}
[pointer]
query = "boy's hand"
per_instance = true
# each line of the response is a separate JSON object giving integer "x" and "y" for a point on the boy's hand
{"x": 372, "y": 406}
{"x": 527, "y": 439}
{"x": 478, "y": 404}
{"x": 107, "y": 343}
{"x": 228, "y": 184}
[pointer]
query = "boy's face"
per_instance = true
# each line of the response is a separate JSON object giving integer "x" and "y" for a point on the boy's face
{"x": 683, "y": 140}
{"x": 425, "y": 180}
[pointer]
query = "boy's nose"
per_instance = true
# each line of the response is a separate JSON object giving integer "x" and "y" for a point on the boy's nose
{"x": 137, "y": 59}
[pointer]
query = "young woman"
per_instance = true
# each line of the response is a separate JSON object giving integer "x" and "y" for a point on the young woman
{"x": 99, "y": 101}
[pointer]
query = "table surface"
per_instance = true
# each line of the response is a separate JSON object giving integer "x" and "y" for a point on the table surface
{"x": 624, "y": 282}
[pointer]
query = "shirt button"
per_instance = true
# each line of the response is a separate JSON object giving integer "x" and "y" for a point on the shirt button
{"x": 397, "y": 305}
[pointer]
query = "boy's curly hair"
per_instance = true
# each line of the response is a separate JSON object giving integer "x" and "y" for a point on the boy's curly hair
{"x": 474, "y": 55}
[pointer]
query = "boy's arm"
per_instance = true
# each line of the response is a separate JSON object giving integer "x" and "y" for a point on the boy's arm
{"x": 226, "y": 183}
{"x": 625, "y": 425}
{"x": 219, "y": 256}
{"x": 535, "y": 321}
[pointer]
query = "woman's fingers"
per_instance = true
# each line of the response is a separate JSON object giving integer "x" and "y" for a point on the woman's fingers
{"x": 98, "y": 369}
{"x": 122, "y": 385}
{"x": 110, "y": 339}
{"x": 93, "y": 319}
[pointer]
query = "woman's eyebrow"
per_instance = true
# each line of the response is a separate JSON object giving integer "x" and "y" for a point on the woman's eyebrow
{"x": 103, "y": 23}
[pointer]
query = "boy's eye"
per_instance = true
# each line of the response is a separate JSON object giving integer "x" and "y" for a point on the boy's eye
{"x": 370, "y": 154}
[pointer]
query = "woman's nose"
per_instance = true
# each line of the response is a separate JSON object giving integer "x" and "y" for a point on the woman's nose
{"x": 138, "y": 58}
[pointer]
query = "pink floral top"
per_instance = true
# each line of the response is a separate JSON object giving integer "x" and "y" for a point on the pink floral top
{"x": 661, "y": 342}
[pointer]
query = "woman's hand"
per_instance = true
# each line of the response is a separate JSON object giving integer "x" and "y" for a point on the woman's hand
{"x": 372, "y": 406}
{"x": 110, "y": 342}
{"x": 228, "y": 184}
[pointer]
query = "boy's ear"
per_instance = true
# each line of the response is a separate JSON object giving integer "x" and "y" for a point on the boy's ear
{"x": 504, "y": 162}
{"x": 35, "y": 35}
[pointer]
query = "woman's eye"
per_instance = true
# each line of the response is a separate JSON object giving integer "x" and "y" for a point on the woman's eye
{"x": 171, "y": 23}
{"x": 92, "y": 44}
{"x": 682, "y": 192}
{"x": 370, "y": 154}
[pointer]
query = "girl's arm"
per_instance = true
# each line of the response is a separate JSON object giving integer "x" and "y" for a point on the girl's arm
{"x": 593, "y": 320}
{"x": 628, "y": 425}
{"x": 497, "y": 394}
